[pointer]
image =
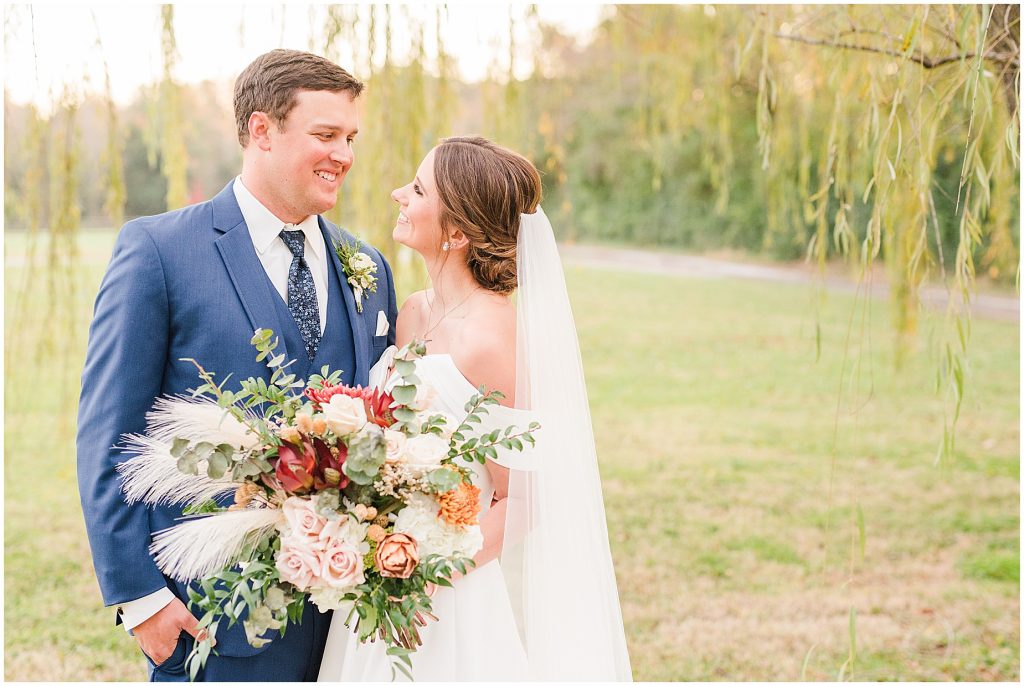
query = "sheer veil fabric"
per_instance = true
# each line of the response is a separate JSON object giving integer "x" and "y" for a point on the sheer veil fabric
{"x": 556, "y": 558}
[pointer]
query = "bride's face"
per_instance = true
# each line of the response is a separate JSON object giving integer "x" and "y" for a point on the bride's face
{"x": 418, "y": 224}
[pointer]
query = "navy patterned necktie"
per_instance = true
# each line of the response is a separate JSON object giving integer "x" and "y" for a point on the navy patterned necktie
{"x": 302, "y": 293}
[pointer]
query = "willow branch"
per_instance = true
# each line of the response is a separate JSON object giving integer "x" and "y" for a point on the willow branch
{"x": 923, "y": 60}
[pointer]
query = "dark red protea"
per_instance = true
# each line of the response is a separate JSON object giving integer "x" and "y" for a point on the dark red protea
{"x": 311, "y": 466}
{"x": 296, "y": 465}
{"x": 329, "y": 463}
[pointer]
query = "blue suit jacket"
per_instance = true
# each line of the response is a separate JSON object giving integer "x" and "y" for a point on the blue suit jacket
{"x": 186, "y": 283}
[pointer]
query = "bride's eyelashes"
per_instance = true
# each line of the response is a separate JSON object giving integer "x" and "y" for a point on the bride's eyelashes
{"x": 416, "y": 189}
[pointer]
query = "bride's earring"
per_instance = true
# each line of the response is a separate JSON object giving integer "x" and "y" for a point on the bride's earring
{"x": 445, "y": 246}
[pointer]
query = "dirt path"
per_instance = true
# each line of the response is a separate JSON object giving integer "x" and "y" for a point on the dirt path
{"x": 649, "y": 262}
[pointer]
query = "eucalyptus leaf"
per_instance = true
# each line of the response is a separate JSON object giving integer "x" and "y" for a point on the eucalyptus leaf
{"x": 179, "y": 446}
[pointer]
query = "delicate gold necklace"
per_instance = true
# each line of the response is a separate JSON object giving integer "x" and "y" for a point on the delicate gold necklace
{"x": 430, "y": 313}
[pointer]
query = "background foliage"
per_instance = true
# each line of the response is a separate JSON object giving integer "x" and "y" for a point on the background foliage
{"x": 813, "y": 534}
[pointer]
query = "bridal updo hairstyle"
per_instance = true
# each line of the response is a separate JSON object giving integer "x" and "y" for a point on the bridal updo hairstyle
{"x": 270, "y": 84}
{"x": 483, "y": 188}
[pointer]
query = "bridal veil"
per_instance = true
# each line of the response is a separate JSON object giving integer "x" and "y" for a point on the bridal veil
{"x": 556, "y": 557}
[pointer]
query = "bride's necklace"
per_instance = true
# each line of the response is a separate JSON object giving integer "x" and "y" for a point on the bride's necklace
{"x": 444, "y": 316}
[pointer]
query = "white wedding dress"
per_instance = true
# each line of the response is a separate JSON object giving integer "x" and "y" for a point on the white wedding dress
{"x": 476, "y": 636}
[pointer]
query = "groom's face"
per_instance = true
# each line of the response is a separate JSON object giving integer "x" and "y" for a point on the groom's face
{"x": 310, "y": 156}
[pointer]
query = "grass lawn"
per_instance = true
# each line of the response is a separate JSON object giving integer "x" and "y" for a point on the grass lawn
{"x": 739, "y": 472}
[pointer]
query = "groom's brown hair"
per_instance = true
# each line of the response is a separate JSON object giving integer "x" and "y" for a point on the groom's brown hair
{"x": 270, "y": 84}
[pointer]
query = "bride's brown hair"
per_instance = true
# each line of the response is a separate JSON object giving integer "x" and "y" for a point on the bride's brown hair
{"x": 483, "y": 188}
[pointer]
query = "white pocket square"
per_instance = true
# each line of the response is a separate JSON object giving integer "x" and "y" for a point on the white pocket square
{"x": 382, "y": 323}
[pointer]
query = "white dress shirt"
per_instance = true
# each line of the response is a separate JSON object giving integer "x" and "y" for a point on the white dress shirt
{"x": 276, "y": 258}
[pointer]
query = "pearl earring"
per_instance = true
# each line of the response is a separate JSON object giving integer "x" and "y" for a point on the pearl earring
{"x": 445, "y": 246}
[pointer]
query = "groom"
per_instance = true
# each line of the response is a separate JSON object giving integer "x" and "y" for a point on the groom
{"x": 196, "y": 283}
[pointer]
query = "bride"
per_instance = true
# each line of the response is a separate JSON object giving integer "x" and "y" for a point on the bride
{"x": 541, "y": 602}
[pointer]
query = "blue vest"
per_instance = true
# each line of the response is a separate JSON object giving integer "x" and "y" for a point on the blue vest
{"x": 330, "y": 351}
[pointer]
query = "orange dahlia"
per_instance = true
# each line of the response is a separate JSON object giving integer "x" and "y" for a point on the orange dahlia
{"x": 460, "y": 506}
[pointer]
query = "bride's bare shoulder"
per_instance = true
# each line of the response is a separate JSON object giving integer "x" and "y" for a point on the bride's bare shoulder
{"x": 411, "y": 316}
{"x": 485, "y": 351}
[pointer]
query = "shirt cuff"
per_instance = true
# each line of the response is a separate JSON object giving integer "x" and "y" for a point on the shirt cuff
{"x": 135, "y": 612}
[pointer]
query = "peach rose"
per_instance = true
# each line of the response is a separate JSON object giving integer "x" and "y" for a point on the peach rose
{"x": 297, "y": 562}
{"x": 396, "y": 556}
{"x": 342, "y": 565}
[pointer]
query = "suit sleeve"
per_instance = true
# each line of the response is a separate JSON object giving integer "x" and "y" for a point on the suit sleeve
{"x": 124, "y": 368}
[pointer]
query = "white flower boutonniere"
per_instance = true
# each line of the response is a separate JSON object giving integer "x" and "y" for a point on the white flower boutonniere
{"x": 359, "y": 269}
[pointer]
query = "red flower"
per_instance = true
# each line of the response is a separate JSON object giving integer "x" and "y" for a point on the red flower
{"x": 329, "y": 458}
{"x": 323, "y": 395}
{"x": 295, "y": 467}
{"x": 302, "y": 468}
{"x": 378, "y": 408}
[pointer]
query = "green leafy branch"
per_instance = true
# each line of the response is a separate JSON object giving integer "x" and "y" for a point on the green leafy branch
{"x": 381, "y": 615}
{"x": 479, "y": 448}
{"x": 253, "y": 595}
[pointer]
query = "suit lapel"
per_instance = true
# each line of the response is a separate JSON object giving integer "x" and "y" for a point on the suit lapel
{"x": 244, "y": 266}
{"x": 359, "y": 338}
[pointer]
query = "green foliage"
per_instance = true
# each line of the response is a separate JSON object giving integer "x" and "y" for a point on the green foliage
{"x": 377, "y": 613}
{"x": 252, "y": 594}
{"x": 998, "y": 561}
{"x": 366, "y": 454}
{"x": 478, "y": 448}
{"x": 170, "y": 120}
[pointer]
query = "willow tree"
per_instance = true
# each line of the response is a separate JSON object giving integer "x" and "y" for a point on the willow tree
{"x": 879, "y": 133}
{"x": 116, "y": 194}
{"x": 167, "y": 120}
{"x": 907, "y": 85}
{"x": 406, "y": 107}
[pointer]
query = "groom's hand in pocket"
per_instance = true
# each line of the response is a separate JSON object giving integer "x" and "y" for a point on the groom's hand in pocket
{"x": 158, "y": 635}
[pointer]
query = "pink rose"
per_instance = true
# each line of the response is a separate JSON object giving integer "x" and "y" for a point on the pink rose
{"x": 298, "y": 562}
{"x": 302, "y": 519}
{"x": 342, "y": 565}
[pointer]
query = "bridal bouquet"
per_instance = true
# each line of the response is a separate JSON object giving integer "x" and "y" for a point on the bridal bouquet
{"x": 354, "y": 498}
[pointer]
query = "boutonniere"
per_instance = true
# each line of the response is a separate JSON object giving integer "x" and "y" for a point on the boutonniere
{"x": 359, "y": 269}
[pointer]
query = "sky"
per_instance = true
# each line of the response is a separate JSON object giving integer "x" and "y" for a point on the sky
{"x": 51, "y": 45}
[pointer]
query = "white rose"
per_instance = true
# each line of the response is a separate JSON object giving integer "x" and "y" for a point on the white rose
{"x": 396, "y": 442}
{"x": 344, "y": 415}
{"x": 345, "y": 529}
{"x": 362, "y": 261}
{"x": 424, "y": 452}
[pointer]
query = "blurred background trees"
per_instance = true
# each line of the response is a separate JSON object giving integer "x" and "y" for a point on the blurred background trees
{"x": 775, "y": 130}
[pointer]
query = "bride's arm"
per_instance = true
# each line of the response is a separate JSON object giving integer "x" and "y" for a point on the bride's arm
{"x": 489, "y": 359}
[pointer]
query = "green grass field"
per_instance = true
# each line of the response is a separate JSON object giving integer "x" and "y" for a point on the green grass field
{"x": 736, "y": 468}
